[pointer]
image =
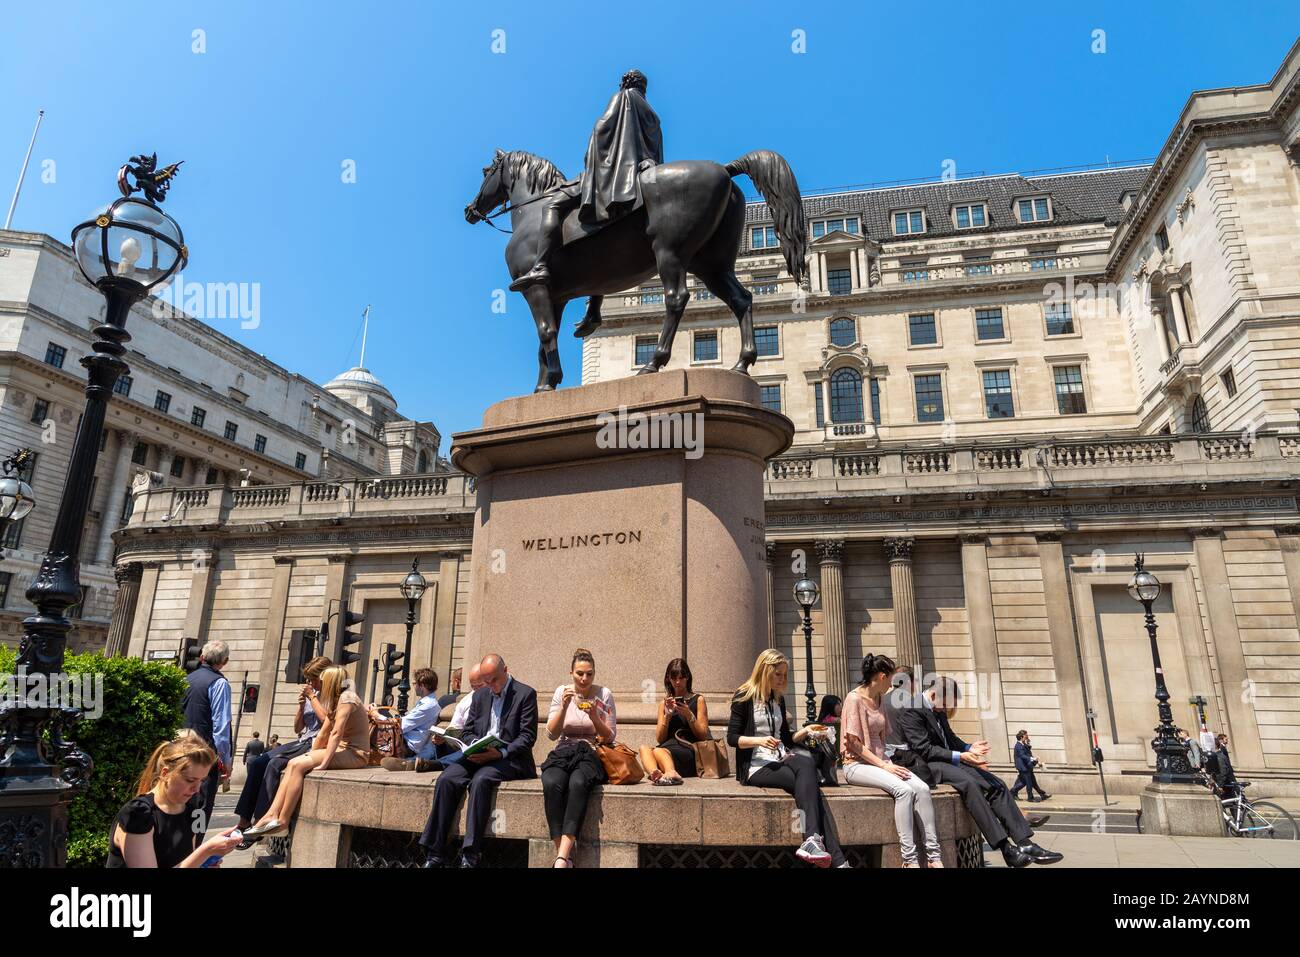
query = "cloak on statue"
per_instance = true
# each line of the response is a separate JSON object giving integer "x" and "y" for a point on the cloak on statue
{"x": 626, "y": 135}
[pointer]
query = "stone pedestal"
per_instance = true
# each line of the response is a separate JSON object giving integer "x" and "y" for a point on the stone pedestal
{"x": 1181, "y": 810}
{"x": 625, "y": 517}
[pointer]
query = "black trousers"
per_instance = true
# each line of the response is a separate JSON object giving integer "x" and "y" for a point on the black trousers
{"x": 569, "y": 774}
{"x": 797, "y": 775}
{"x": 263, "y": 779}
{"x": 987, "y": 799}
{"x": 1026, "y": 779}
{"x": 481, "y": 781}
{"x": 210, "y": 794}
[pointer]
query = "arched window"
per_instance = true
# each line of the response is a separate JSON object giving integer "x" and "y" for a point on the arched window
{"x": 1200, "y": 415}
{"x": 843, "y": 332}
{"x": 424, "y": 462}
{"x": 846, "y": 396}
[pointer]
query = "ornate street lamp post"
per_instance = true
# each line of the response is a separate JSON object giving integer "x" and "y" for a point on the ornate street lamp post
{"x": 1172, "y": 765}
{"x": 413, "y": 586}
{"x": 806, "y": 593}
{"x": 16, "y": 501}
{"x": 125, "y": 250}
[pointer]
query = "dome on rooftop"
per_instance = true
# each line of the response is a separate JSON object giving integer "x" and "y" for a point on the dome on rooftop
{"x": 359, "y": 387}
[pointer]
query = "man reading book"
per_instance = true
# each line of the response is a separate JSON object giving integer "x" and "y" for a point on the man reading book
{"x": 507, "y": 709}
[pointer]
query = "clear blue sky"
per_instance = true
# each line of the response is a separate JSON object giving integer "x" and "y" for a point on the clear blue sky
{"x": 412, "y": 92}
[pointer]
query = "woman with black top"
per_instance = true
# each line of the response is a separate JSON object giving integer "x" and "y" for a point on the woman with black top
{"x": 158, "y": 828}
{"x": 683, "y": 712}
{"x": 766, "y": 756}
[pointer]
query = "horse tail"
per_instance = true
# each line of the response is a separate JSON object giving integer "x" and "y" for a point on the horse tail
{"x": 776, "y": 183}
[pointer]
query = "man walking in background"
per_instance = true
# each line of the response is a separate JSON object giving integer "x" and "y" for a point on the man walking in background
{"x": 206, "y": 706}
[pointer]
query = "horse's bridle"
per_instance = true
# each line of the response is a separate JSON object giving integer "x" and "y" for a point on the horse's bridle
{"x": 507, "y": 208}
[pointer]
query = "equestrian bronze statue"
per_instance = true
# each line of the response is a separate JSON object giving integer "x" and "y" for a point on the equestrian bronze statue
{"x": 629, "y": 216}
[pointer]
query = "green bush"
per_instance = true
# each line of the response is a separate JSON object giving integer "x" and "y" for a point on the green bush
{"x": 141, "y": 703}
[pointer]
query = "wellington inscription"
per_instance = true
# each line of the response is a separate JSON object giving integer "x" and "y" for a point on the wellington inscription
{"x": 592, "y": 540}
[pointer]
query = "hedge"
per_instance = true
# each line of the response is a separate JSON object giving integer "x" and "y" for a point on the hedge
{"x": 141, "y": 709}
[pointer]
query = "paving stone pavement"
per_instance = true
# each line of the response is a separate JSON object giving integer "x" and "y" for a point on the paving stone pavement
{"x": 1155, "y": 850}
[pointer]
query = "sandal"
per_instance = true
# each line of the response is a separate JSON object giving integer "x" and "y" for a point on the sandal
{"x": 562, "y": 866}
{"x": 661, "y": 782}
{"x": 655, "y": 775}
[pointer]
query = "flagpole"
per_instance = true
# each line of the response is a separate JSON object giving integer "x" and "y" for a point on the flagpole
{"x": 23, "y": 174}
{"x": 365, "y": 329}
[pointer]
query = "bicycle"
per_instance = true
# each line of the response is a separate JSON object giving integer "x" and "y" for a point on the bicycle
{"x": 1255, "y": 819}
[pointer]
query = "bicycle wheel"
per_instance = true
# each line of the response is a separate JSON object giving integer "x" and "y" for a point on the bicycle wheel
{"x": 1281, "y": 825}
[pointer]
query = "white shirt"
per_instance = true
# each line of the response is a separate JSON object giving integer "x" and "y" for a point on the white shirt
{"x": 461, "y": 713}
{"x": 767, "y": 723}
{"x": 498, "y": 701}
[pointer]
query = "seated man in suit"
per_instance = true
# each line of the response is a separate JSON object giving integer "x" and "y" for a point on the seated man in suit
{"x": 504, "y": 707}
{"x": 952, "y": 761}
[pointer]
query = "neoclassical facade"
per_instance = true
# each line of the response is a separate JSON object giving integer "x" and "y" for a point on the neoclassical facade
{"x": 1003, "y": 390}
{"x": 198, "y": 408}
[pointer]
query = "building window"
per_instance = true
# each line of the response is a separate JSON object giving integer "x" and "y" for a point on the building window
{"x": 921, "y": 330}
{"x": 875, "y": 400}
{"x": 916, "y": 271}
{"x": 5, "y": 579}
{"x": 908, "y": 222}
{"x": 839, "y": 282}
{"x": 967, "y": 217}
{"x": 771, "y": 397}
{"x": 1200, "y": 415}
{"x": 645, "y": 349}
{"x": 231, "y": 431}
{"x": 652, "y": 295}
{"x": 988, "y": 324}
{"x": 823, "y": 227}
{"x": 14, "y": 533}
{"x": 1042, "y": 259}
{"x": 40, "y": 411}
{"x": 846, "y": 396}
{"x": 1229, "y": 382}
{"x": 123, "y": 385}
{"x": 421, "y": 465}
{"x": 210, "y": 478}
{"x": 844, "y": 332}
{"x": 997, "y": 394}
{"x": 763, "y": 237}
{"x": 979, "y": 265}
{"x": 139, "y": 453}
{"x": 300, "y": 461}
{"x": 929, "y": 398}
{"x": 817, "y": 401}
{"x": 1059, "y": 317}
{"x": 1069, "y": 390}
{"x": 1034, "y": 210}
{"x": 197, "y": 416}
{"x": 1162, "y": 239}
{"x": 162, "y": 401}
{"x": 765, "y": 286}
{"x": 259, "y": 445}
{"x": 768, "y": 341}
{"x": 54, "y": 355}
{"x": 178, "y": 466}
{"x": 705, "y": 347}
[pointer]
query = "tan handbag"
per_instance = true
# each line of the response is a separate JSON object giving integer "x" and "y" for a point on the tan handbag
{"x": 620, "y": 762}
{"x": 386, "y": 740}
{"x": 711, "y": 759}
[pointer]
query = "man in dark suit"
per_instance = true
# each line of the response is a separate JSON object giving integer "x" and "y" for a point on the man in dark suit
{"x": 1025, "y": 764}
{"x": 952, "y": 761}
{"x": 504, "y": 707}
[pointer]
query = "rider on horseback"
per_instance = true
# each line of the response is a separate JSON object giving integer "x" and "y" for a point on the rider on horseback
{"x": 625, "y": 143}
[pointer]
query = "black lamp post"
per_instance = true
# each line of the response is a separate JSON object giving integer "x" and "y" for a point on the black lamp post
{"x": 413, "y": 586}
{"x": 126, "y": 250}
{"x": 16, "y": 501}
{"x": 806, "y": 593}
{"x": 1172, "y": 765}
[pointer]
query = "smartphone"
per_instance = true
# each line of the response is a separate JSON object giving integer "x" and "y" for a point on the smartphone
{"x": 211, "y": 861}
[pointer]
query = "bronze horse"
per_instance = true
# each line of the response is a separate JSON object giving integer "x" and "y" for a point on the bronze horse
{"x": 691, "y": 220}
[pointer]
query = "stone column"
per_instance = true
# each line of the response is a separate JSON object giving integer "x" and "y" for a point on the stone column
{"x": 197, "y": 608}
{"x": 830, "y": 555}
{"x": 444, "y": 622}
{"x": 1065, "y": 650}
{"x": 117, "y": 488}
{"x": 1180, "y": 317}
{"x": 144, "y": 609}
{"x": 1158, "y": 317}
{"x": 198, "y": 471}
{"x": 269, "y": 673}
{"x": 771, "y": 594}
{"x": 854, "y": 275}
{"x": 984, "y": 638}
{"x": 166, "y": 456}
{"x": 907, "y": 643}
{"x": 1247, "y": 749}
{"x": 128, "y": 592}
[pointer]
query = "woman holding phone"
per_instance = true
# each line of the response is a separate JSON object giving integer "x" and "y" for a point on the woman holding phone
{"x": 683, "y": 712}
{"x": 766, "y": 756}
{"x": 581, "y": 716}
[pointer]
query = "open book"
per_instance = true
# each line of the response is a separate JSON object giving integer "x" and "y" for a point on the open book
{"x": 464, "y": 748}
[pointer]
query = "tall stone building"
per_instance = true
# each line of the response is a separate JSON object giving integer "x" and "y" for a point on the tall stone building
{"x": 1004, "y": 388}
{"x": 198, "y": 408}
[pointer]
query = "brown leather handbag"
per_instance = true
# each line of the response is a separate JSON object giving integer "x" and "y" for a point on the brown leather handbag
{"x": 711, "y": 760}
{"x": 620, "y": 762}
{"x": 386, "y": 739}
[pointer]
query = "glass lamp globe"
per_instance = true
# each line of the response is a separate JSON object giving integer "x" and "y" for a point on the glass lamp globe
{"x": 1144, "y": 586}
{"x": 806, "y": 592}
{"x": 413, "y": 585}
{"x": 130, "y": 240}
{"x": 16, "y": 500}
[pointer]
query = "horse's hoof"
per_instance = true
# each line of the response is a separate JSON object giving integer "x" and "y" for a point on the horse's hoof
{"x": 741, "y": 367}
{"x": 544, "y": 388}
{"x": 647, "y": 368}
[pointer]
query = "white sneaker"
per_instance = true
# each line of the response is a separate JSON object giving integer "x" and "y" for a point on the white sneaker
{"x": 813, "y": 851}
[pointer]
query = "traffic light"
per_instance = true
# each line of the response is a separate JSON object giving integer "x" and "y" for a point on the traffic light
{"x": 346, "y": 637}
{"x": 301, "y": 651}
{"x": 189, "y": 658}
{"x": 249, "y": 705}
{"x": 391, "y": 659}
